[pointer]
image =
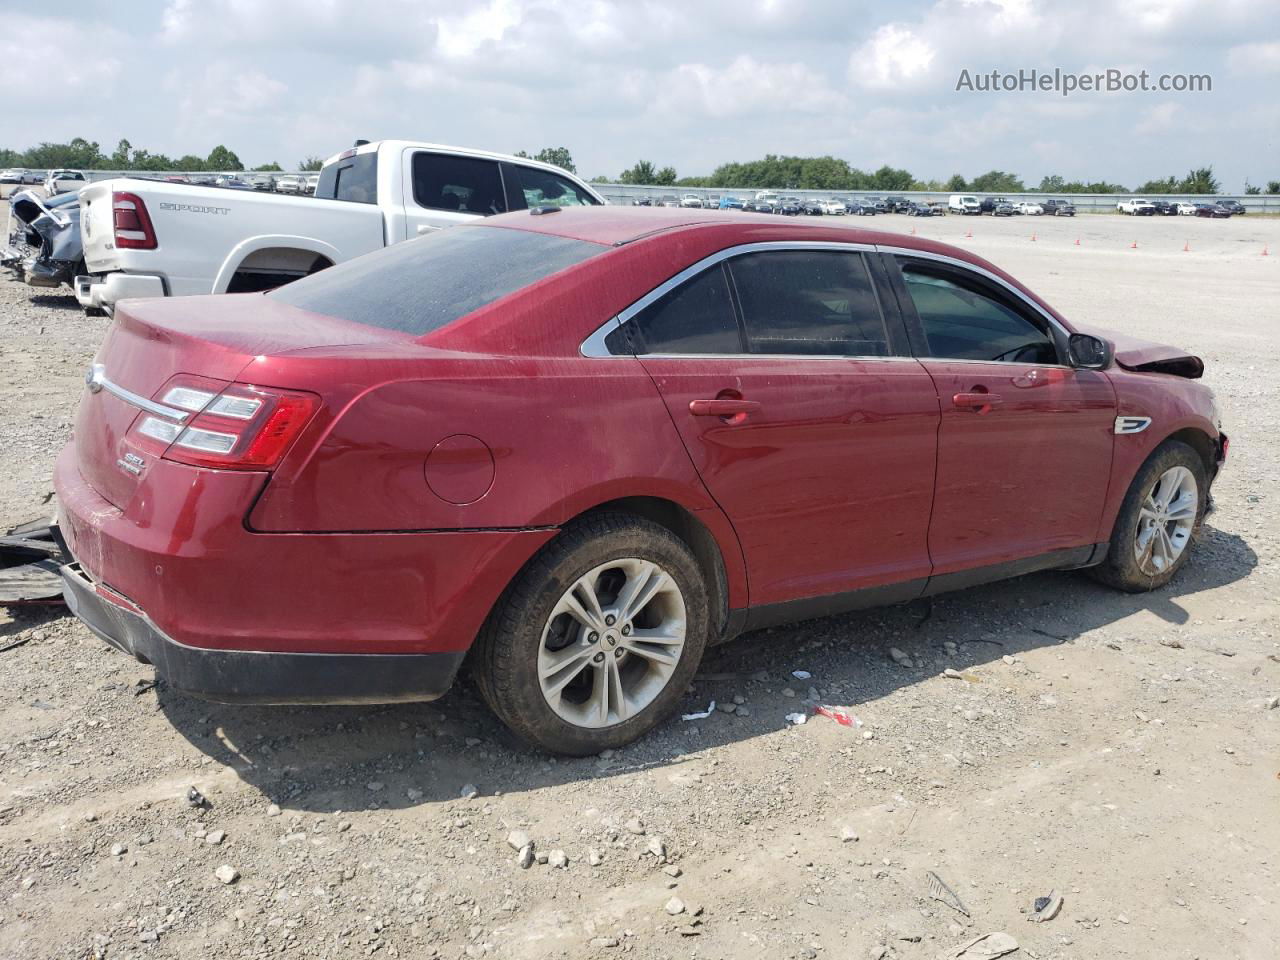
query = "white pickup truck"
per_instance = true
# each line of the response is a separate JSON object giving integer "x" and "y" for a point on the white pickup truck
{"x": 1136, "y": 206}
{"x": 152, "y": 238}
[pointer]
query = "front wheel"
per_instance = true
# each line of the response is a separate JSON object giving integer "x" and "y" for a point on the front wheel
{"x": 1158, "y": 520}
{"x": 595, "y": 642}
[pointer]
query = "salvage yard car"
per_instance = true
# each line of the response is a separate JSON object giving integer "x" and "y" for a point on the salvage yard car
{"x": 1058, "y": 208}
{"x": 64, "y": 181}
{"x": 43, "y": 246}
{"x": 145, "y": 238}
{"x": 341, "y": 490}
{"x": 1136, "y": 206}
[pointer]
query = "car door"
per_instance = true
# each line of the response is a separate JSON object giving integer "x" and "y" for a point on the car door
{"x": 535, "y": 187}
{"x": 1025, "y": 442}
{"x": 444, "y": 189}
{"x": 809, "y": 424}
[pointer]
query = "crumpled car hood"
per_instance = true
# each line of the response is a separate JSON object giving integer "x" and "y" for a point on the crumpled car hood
{"x": 1145, "y": 356}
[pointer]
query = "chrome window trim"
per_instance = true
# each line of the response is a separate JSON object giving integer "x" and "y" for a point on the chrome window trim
{"x": 594, "y": 346}
{"x": 96, "y": 379}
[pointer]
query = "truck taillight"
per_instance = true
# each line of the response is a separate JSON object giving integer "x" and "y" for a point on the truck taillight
{"x": 133, "y": 229}
{"x": 235, "y": 426}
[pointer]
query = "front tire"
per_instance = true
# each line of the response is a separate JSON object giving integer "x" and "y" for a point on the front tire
{"x": 1158, "y": 521}
{"x": 594, "y": 643}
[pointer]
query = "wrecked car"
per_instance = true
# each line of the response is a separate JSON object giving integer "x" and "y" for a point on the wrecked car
{"x": 43, "y": 240}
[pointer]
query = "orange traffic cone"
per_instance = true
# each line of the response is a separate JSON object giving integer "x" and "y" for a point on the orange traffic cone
{"x": 913, "y": 231}
{"x": 1264, "y": 252}
{"x": 1033, "y": 238}
{"x": 1186, "y": 246}
{"x": 1134, "y": 245}
{"x": 1077, "y": 241}
{"x": 968, "y": 234}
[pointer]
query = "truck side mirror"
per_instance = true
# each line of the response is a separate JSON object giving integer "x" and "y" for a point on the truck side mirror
{"x": 1089, "y": 352}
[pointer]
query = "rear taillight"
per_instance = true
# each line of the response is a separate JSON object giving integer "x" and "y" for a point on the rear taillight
{"x": 133, "y": 229}
{"x": 232, "y": 426}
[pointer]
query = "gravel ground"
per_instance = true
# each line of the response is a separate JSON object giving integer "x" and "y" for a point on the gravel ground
{"x": 1118, "y": 750}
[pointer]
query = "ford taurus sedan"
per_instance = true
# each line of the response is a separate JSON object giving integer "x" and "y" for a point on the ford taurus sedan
{"x": 572, "y": 449}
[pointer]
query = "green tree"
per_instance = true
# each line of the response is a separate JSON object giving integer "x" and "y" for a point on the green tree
{"x": 1167, "y": 185}
{"x": 272, "y": 167}
{"x": 122, "y": 159}
{"x": 888, "y": 178}
{"x": 189, "y": 162}
{"x": 643, "y": 172}
{"x": 220, "y": 158}
{"x": 1273, "y": 186}
{"x": 1052, "y": 184}
{"x": 556, "y": 156}
{"x": 957, "y": 183}
{"x": 311, "y": 163}
{"x": 1251, "y": 190}
{"x": 997, "y": 181}
{"x": 1200, "y": 180}
{"x": 666, "y": 177}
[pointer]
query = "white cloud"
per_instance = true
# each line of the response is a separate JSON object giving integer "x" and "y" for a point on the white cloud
{"x": 59, "y": 62}
{"x": 893, "y": 57}
{"x": 1255, "y": 58}
{"x": 1162, "y": 118}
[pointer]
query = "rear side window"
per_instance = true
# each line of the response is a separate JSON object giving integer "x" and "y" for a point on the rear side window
{"x": 354, "y": 179}
{"x": 464, "y": 184}
{"x": 542, "y": 188}
{"x": 695, "y": 318}
{"x": 814, "y": 302}
{"x": 422, "y": 285}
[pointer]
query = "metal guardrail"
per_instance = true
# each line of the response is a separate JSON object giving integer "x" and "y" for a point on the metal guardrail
{"x": 623, "y": 193}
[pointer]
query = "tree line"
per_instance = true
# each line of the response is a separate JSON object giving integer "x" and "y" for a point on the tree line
{"x": 783, "y": 172}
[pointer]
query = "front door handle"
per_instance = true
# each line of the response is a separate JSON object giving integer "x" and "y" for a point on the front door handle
{"x": 976, "y": 400}
{"x": 726, "y": 407}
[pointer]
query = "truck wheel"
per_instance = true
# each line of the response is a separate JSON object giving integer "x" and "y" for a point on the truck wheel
{"x": 597, "y": 639}
{"x": 1160, "y": 517}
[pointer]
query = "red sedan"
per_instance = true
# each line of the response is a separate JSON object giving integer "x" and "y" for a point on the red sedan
{"x": 575, "y": 447}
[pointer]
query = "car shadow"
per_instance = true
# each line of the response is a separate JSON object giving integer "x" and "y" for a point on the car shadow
{"x": 326, "y": 759}
{"x": 64, "y": 301}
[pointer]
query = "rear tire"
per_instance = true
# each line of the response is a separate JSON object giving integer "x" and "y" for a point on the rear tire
{"x": 571, "y": 659}
{"x": 1158, "y": 522}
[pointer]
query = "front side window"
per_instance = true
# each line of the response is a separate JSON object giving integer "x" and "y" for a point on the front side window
{"x": 809, "y": 302}
{"x": 542, "y": 188}
{"x": 461, "y": 184}
{"x": 695, "y": 318}
{"x": 964, "y": 321}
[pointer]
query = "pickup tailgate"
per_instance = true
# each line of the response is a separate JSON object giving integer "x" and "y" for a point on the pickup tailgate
{"x": 96, "y": 227}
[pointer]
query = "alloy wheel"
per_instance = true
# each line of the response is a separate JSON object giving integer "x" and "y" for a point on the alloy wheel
{"x": 1166, "y": 520}
{"x": 612, "y": 643}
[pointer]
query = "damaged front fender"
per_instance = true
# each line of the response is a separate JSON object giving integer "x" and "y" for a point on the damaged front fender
{"x": 1144, "y": 356}
{"x": 44, "y": 238}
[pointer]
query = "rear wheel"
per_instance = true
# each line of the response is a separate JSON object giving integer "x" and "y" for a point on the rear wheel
{"x": 1158, "y": 520}
{"x": 596, "y": 640}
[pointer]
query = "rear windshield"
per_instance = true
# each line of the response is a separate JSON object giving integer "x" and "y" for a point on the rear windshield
{"x": 422, "y": 285}
{"x": 354, "y": 179}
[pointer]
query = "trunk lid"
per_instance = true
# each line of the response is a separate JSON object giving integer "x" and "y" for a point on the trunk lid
{"x": 97, "y": 226}
{"x": 150, "y": 341}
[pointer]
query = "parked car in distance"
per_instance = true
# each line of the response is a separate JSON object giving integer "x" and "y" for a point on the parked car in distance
{"x": 789, "y": 206}
{"x": 1213, "y": 210}
{"x": 1186, "y": 208}
{"x": 1164, "y": 208}
{"x": 1058, "y": 208}
{"x": 989, "y": 205}
{"x": 34, "y": 177}
{"x": 731, "y": 203}
{"x": 232, "y": 183}
{"x": 964, "y": 203}
{"x": 291, "y": 183}
{"x": 916, "y": 208}
{"x": 860, "y": 208}
{"x": 880, "y": 204}
{"x": 13, "y": 175}
{"x": 312, "y": 182}
{"x": 325, "y": 455}
{"x": 836, "y": 206}
{"x": 937, "y": 208}
{"x": 261, "y": 181}
{"x": 63, "y": 181}
{"x": 813, "y": 208}
{"x": 1137, "y": 207}
{"x": 898, "y": 204}
{"x": 1030, "y": 208}
{"x": 691, "y": 200}
{"x": 1234, "y": 207}
{"x": 146, "y": 238}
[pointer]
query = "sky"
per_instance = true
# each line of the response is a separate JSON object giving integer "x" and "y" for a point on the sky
{"x": 689, "y": 83}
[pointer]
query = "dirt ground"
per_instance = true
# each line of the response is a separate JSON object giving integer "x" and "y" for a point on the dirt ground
{"x": 1118, "y": 750}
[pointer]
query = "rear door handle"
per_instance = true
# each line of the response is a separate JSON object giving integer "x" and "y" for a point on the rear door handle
{"x": 976, "y": 399}
{"x": 723, "y": 408}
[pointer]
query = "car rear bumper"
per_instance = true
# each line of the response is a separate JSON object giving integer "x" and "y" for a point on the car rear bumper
{"x": 103, "y": 292}
{"x": 250, "y": 676}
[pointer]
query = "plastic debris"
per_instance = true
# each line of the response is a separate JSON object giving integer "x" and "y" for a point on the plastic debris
{"x": 987, "y": 947}
{"x": 801, "y": 674}
{"x": 839, "y": 714}
{"x": 701, "y": 716}
{"x": 196, "y": 799}
{"x": 796, "y": 719}
{"x": 939, "y": 891}
{"x": 1046, "y": 908}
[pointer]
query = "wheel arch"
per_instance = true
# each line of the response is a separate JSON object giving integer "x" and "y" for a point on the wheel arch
{"x": 282, "y": 250}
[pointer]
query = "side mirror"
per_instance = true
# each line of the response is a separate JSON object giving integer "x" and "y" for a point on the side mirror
{"x": 1088, "y": 352}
